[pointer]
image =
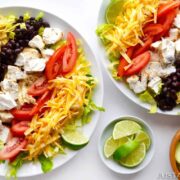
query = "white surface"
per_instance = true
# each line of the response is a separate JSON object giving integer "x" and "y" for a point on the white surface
{"x": 116, "y": 167}
{"x": 98, "y": 93}
{"x": 87, "y": 165}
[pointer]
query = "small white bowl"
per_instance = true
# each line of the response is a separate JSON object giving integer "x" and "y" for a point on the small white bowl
{"x": 110, "y": 163}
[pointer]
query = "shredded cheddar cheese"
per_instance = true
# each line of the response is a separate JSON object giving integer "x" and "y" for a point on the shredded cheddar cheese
{"x": 69, "y": 95}
{"x": 127, "y": 30}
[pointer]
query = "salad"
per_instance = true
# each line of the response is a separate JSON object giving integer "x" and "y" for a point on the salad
{"x": 46, "y": 90}
{"x": 142, "y": 41}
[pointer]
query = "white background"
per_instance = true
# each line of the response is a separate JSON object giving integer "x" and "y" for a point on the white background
{"x": 87, "y": 165}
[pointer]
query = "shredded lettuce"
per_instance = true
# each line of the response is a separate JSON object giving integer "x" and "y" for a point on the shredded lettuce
{"x": 39, "y": 16}
{"x": 46, "y": 163}
{"x": 16, "y": 165}
{"x": 23, "y": 26}
{"x": 87, "y": 111}
{"x": 58, "y": 44}
{"x": 26, "y": 16}
{"x": 41, "y": 30}
{"x": 148, "y": 98}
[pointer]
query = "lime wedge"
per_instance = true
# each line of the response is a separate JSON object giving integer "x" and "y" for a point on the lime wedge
{"x": 142, "y": 136}
{"x": 125, "y": 128}
{"x": 125, "y": 149}
{"x": 134, "y": 158}
{"x": 113, "y": 10}
{"x": 177, "y": 153}
{"x": 74, "y": 139}
{"x": 111, "y": 145}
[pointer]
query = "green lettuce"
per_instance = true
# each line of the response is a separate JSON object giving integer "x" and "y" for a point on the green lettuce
{"x": 87, "y": 111}
{"x": 148, "y": 98}
{"x": 15, "y": 166}
{"x": 46, "y": 163}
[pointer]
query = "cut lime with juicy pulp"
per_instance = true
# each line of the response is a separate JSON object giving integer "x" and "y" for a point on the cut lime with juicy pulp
{"x": 113, "y": 10}
{"x": 125, "y": 128}
{"x": 142, "y": 136}
{"x": 125, "y": 149}
{"x": 177, "y": 153}
{"x": 134, "y": 158}
{"x": 74, "y": 139}
{"x": 111, "y": 145}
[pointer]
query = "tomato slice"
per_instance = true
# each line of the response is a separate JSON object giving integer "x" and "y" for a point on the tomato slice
{"x": 70, "y": 55}
{"x": 141, "y": 49}
{"x": 23, "y": 113}
{"x": 19, "y": 128}
{"x": 13, "y": 148}
{"x": 153, "y": 29}
{"x": 138, "y": 63}
{"x": 167, "y": 7}
{"x": 123, "y": 62}
{"x": 167, "y": 22}
{"x": 28, "y": 111}
{"x": 40, "y": 102}
{"x": 39, "y": 87}
{"x": 54, "y": 64}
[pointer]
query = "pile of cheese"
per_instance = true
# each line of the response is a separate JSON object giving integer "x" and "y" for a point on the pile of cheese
{"x": 6, "y": 28}
{"x": 127, "y": 30}
{"x": 69, "y": 96}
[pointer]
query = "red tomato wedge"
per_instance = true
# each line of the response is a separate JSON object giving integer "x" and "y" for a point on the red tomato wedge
{"x": 28, "y": 111}
{"x": 153, "y": 29}
{"x": 70, "y": 55}
{"x": 54, "y": 65}
{"x": 19, "y": 128}
{"x": 167, "y": 7}
{"x": 39, "y": 87}
{"x": 23, "y": 113}
{"x": 141, "y": 49}
{"x": 123, "y": 62}
{"x": 167, "y": 21}
{"x": 40, "y": 102}
{"x": 138, "y": 63}
{"x": 12, "y": 148}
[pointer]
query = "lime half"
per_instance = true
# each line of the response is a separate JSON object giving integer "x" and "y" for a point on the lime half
{"x": 113, "y": 10}
{"x": 134, "y": 158}
{"x": 125, "y": 128}
{"x": 111, "y": 145}
{"x": 125, "y": 149}
{"x": 142, "y": 136}
{"x": 74, "y": 139}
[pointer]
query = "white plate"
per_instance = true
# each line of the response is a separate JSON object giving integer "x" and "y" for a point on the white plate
{"x": 31, "y": 169}
{"x": 120, "y": 85}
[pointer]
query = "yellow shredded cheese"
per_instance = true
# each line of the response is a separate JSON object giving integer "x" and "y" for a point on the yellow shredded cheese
{"x": 127, "y": 30}
{"x": 68, "y": 99}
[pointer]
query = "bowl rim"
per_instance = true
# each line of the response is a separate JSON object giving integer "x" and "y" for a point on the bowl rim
{"x": 150, "y": 152}
{"x": 172, "y": 152}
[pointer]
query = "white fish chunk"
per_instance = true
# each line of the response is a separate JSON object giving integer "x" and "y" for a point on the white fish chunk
{"x": 6, "y": 102}
{"x": 25, "y": 55}
{"x": 11, "y": 87}
{"x": 14, "y": 73}
{"x": 37, "y": 42}
{"x": 52, "y": 35}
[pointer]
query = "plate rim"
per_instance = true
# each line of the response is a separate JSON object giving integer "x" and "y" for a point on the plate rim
{"x": 100, "y": 81}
